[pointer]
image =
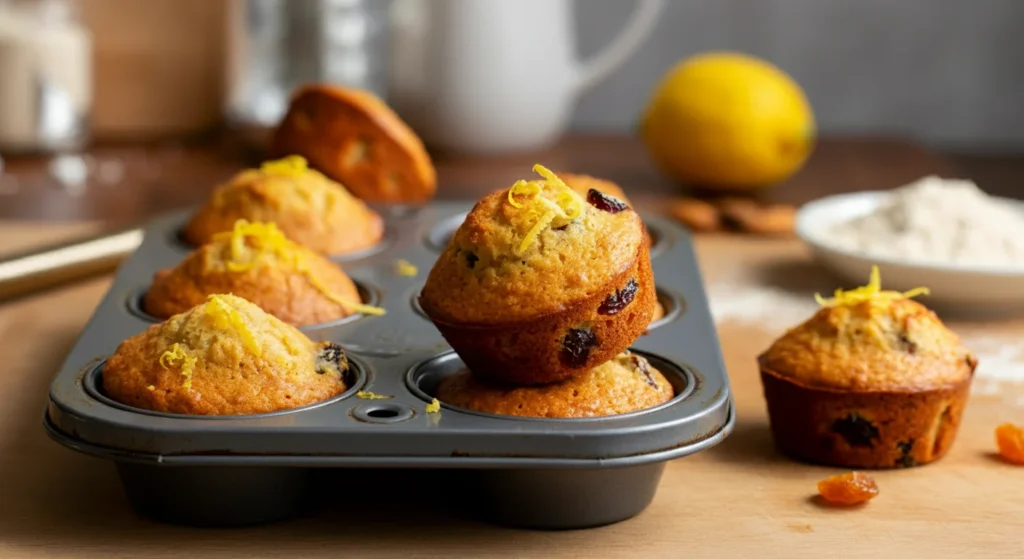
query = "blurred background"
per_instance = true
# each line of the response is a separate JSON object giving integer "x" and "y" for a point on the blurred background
{"x": 144, "y": 83}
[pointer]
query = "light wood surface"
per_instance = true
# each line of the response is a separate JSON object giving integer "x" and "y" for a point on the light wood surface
{"x": 739, "y": 499}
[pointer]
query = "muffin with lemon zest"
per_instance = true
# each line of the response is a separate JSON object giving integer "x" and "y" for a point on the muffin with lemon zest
{"x": 309, "y": 208}
{"x": 257, "y": 262}
{"x": 224, "y": 357}
{"x": 873, "y": 380}
{"x": 539, "y": 283}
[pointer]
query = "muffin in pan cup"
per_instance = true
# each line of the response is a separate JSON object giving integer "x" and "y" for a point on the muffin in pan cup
{"x": 539, "y": 284}
{"x": 625, "y": 384}
{"x": 309, "y": 208}
{"x": 224, "y": 357}
{"x": 872, "y": 380}
{"x": 257, "y": 262}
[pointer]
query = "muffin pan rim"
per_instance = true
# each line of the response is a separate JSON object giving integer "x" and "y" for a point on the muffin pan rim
{"x": 413, "y": 378}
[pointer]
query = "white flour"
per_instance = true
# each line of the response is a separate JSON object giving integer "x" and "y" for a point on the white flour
{"x": 1001, "y": 357}
{"x": 941, "y": 221}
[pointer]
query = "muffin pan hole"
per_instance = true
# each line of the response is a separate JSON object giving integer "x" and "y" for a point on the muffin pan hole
{"x": 136, "y": 308}
{"x": 672, "y": 304}
{"x": 177, "y": 239}
{"x": 382, "y": 413}
{"x": 92, "y": 383}
{"x": 423, "y": 379}
{"x": 441, "y": 233}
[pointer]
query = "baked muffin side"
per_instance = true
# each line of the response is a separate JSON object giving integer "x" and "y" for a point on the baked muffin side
{"x": 873, "y": 380}
{"x": 257, "y": 262}
{"x": 308, "y": 207}
{"x": 624, "y": 384}
{"x": 224, "y": 357}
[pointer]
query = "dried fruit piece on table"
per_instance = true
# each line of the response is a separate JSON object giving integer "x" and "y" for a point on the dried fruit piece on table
{"x": 848, "y": 489}
{"x": 1010, "y": 439}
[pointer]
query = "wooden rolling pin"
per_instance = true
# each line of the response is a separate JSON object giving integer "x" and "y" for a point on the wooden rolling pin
{"x": 50, "y": 266}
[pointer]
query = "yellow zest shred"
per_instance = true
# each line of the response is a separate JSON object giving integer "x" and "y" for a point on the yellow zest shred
{"x": 291, "y": 166}
{"x": 227, "y": 317}
{"x": 566, "y": 207}
{"x": 271, "y": 240}
{"x": 177, "y": 357}
{"x": 150, "y": 388}
{"x": 871, "y": 292}
{"x": 371, "y": 396}
{"x": 404, "y": 268}
{"x": 434, "y": 406}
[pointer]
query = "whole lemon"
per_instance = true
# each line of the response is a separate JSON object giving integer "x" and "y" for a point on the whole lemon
{"x": 728, "y": 121}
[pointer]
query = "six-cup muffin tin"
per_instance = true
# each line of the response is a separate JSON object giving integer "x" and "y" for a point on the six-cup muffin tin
{"x": 541, "y": 473}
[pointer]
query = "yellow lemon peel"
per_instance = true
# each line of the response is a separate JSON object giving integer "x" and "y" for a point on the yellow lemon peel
{"x": 564, "y": 209}
{"x": 404, "y": 268}
{"x": 290, "y": 166}
{"x": 178, "y": 357}
{"x": 371, "y": 396}
{"x": 227, "y": 317}
{"x": 434, "y": 406}
{"x": 271, "y": 240}
{"x": 872, "y": 292}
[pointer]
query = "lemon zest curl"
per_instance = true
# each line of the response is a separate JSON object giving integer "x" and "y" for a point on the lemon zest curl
{"x": 872, "y": 292}
{"x": 565, "y": 209}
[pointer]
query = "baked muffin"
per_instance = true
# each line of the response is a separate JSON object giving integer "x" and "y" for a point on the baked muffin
{"x": 538, "y": 285}
{"x": 311, "y": 209}
{"x": 627, "y": 383}
{"x": 257, "y": 262}
{"x": 872, "y": 380}
{"x": 582, "y": 184}
{"x": 224, "y": 357}
{"x": 357, "y": 140}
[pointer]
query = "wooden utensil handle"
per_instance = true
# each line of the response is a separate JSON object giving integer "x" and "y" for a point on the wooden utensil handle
{"x": 35, "y": 270}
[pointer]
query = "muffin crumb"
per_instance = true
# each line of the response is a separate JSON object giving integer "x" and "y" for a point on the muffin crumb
{"x": 848, "y": 489}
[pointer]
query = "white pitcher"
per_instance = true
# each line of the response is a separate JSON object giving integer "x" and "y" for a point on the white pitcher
{"x": 488, "y": 76}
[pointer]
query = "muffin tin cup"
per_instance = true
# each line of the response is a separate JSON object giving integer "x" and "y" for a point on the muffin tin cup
{"x": 539, "y": 473}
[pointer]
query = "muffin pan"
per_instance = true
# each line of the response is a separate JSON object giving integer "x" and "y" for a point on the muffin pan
{"x": 528, "y": 472}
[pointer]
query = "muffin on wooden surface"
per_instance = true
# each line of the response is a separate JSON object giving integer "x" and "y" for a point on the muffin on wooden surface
{"x": 357, "y": 140}
{"x": 257, "y": 262}
{"x": 539, "y": 284}
{"x": 625, "y": 384}
{"x": 308, "y": 207}
{"x": 872, "y": 380}
{"x": 224, "y": 357}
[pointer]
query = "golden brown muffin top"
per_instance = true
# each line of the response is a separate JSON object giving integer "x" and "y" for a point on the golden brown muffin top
{"x": 531, "y": 250}
{"x": 624, "y": 384}
{"x": 868, "y": 339}
{"x": 312, "y": 209}
{"x": 224, "y": 357}
{"x": 258, "y": 262}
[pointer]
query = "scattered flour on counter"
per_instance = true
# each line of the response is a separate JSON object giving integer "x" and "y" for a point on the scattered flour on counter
{"x": 938, "y": 221}
{"x": 773, "y": 309}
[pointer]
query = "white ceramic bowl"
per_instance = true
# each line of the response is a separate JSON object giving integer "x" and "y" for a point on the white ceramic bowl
{"x": 964, "y": 290}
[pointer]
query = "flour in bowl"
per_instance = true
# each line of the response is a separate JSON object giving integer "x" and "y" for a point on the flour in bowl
{"x": 938, "y": 221}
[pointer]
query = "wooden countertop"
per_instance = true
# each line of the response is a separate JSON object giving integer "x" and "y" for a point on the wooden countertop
{"x": 738, "y": 499}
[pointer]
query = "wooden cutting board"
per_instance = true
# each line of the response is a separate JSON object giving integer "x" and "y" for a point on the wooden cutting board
{"x": 740, "y": 499}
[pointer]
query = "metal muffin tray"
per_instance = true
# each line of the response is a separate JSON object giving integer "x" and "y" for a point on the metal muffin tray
{"x": 528, "y": 472}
